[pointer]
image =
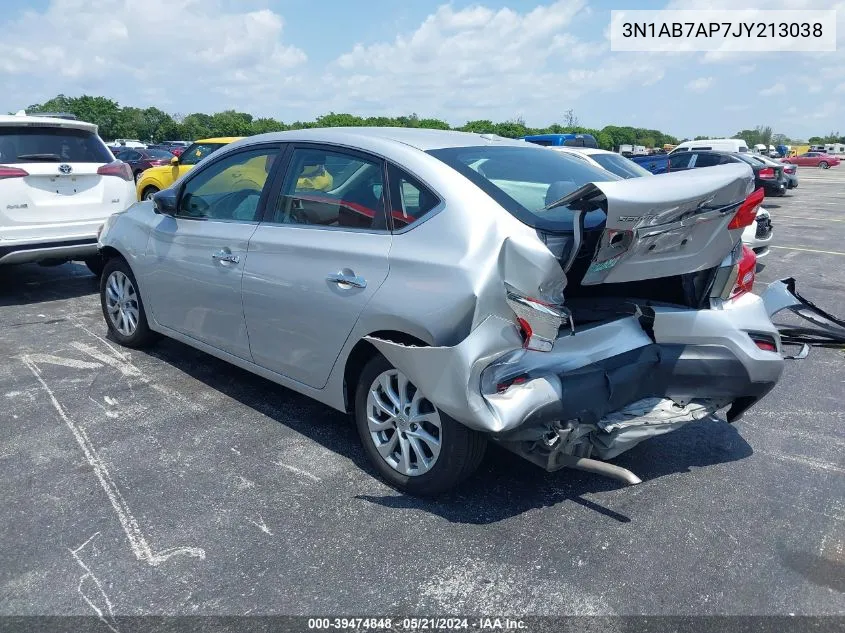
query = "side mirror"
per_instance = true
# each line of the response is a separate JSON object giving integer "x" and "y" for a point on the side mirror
{"x": 174, "y": 160}
{"x": 164, "y": 202}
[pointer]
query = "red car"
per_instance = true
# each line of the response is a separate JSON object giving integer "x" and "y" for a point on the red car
{"x": 813, "y": 159}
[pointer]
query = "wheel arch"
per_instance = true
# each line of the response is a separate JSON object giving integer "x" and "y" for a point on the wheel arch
{"x": 360, "y": 355}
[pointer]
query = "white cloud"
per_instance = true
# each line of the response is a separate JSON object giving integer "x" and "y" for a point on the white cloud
{"x": 700, "y": 85}
{"x": 462, "y": 64}
{"x": 747, "y": 68}
{"x": 164, "y": 46}
{"x": 776, "y": 89}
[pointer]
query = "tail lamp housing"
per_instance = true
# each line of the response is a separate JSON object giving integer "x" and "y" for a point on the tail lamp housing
{"x": 12, "y": 172}
{"x": 116, "y": 168}
{"x": 766, "y": 173}
{"x": 746, "y": 271}
{"x": 538, "y": 320}
{"x": 747, "y": 211}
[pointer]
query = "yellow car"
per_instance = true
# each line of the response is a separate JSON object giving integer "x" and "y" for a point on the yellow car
{"x": 155, "y": 179}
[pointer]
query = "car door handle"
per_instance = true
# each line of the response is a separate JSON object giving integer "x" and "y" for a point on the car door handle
{"x": 342, "y": 279}
{"x": 225, "y": 256}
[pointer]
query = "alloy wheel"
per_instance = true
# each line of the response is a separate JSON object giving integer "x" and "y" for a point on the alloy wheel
{"x": 404, "y": 426}
{"x": 122, "y": 303}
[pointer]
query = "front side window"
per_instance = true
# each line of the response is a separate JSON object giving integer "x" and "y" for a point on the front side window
{"x": 196, "y": 152}
{"x": 332, "y": 189}
{"x": 410, "y": 200}
{"x": 228, "y": 189}
{"x": 25, "y": 144}
{"x": 524, "y": 180}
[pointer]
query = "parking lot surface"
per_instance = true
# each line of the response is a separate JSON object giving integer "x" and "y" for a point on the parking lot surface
{"x": 168, "y": 482}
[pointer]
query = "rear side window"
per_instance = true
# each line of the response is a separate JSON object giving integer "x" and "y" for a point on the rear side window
{"x": 677, "y": 162}
{"x": 29, "y": 144}
{"x": 410, "y": 200}
{"x": 524, "y": 180}
{"x": 332, "y": 189}
{"x": 707, "y": 160}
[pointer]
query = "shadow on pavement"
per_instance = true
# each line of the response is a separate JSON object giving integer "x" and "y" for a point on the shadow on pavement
{"x": 26, "y": 284}
{"x": 504, "y": 486}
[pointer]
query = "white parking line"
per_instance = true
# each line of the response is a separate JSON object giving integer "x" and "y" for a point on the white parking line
{"x": 807, "y": 250}
{"x": 137, "y": 541}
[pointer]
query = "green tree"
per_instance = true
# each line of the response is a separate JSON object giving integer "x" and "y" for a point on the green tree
{"x": 260, "y": 126}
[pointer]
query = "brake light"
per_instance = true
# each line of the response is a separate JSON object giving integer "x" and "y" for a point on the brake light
{"x": 538, "y": 320}
{"x": 747, "y": 269}
{"x": 747, "y": 211}
{"x": 767, "y": 173}
{"x": 116, "y": 168}
{"x": 12, "y": 172}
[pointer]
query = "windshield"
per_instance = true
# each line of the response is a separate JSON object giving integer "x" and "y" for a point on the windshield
{"x": 620, "y": 165}
{"x": 524, "y": 180}
{"x": 196, "y": 152}
{"x": 25, "y": 144}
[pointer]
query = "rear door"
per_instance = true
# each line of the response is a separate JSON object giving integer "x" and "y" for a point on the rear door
{"x": 316, "y": 260}
{"x": 52, "y": 186}
{"x": 197, "y": 257}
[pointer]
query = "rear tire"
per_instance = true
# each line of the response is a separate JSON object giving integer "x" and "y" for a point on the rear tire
{"x": 149, "y": 192}
{"x": 457, "y": 452}
{"x": 122, "y": 306}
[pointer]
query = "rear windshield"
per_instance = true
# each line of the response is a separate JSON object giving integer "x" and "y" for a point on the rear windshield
{"x": 524, "y": 180}
{"x": 196, "y": 152}
{"x": 583, "y": 141}
{"x": 620, "y": 165}
{"x": 25, "y": 144}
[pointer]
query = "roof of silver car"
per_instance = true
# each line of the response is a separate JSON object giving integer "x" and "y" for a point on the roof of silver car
{"x": 420, "y": 138}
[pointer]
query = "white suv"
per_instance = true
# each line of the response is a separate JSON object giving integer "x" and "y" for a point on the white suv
{"x": 58, "y": 184}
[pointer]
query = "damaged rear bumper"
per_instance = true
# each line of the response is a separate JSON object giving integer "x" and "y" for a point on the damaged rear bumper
{"x": 826, "y": 331}
{"x": 605, "y": 388}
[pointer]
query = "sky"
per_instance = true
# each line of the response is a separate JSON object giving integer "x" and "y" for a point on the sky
{"x": 457, "y": 61}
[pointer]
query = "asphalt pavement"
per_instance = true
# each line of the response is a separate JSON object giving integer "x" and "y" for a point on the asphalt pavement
{"x": 168, "y": 482}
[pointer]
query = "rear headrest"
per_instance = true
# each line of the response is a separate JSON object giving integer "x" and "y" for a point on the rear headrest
{"x": 559, "y": 189}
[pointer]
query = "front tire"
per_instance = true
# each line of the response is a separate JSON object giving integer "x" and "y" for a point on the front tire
{"x": 122, "y": 306}
{"x": 824, "y": 165}
{"x": 414, "y": 446}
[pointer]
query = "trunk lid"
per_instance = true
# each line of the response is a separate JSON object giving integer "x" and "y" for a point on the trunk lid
{"x": 661, "y": 227}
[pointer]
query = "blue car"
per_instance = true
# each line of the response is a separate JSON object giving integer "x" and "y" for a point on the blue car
{"x": 570, "y": 140}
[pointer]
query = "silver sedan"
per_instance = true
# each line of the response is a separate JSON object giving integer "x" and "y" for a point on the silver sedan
{"x": 449, "y": 289}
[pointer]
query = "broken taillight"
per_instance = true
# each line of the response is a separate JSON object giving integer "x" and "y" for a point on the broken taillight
{"x": 747, "y": 211}
{"x": 538, "y": 320}
{"x": 746, "y": 270}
